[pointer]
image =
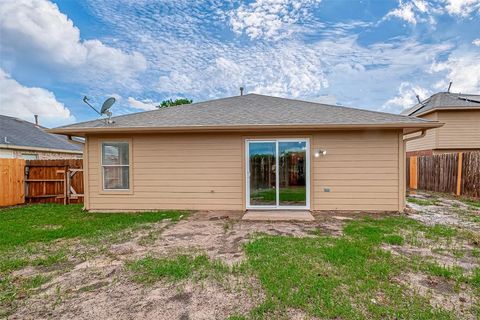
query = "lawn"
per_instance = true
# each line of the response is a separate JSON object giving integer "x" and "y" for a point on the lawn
{"x": 372, "y": 269}
{"x": 29, "y": 235}
{"x": 48, "y": 222}
{"x": 347, "y": 277}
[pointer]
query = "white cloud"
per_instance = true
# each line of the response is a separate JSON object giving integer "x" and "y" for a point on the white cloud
{"x": 405, "y": 11}
{"x": 188, "y": 59}
{"x": 24, "y": 102}
{"x": 414, "y": 11}
{"x": 326, "y": 99}
{"x": 463, "y": 69}
{"x": 35, "y": 30}
{"x": 462, "y": 7}
{"x": 476, "y": 42}
{"x": 146, "y": 104}
{"x": 406, "y": 97}
{"x": 270, "y": 19}
{"x": 278, "y": 70}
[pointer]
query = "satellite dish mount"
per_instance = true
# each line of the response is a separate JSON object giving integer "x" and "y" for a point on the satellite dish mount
{"x": 105, "y": 108}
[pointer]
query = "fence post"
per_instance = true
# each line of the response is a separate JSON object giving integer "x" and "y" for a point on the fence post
{"x": 65, "y": 183}
{"x": 459, "y": 174}
{"x": 413, "y": 173}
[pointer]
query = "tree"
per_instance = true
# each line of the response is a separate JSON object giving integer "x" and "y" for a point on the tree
{"x": 176, "y": 102}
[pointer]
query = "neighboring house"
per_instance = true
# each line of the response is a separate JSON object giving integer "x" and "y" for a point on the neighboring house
{"x": 461, "y": 115}
{"x": 23, "y": 139}
{"x": 247, "y": 152}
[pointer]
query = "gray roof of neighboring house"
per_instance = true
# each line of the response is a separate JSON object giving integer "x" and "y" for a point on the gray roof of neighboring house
{"x": 444, "y": 100}
{"x": 17, "y": 132}
{"x": 247, "y": 110}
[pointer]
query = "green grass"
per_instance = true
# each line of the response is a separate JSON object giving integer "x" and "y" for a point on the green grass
{"x": 423, "y": 202}
{"x": 472, "y": 202}
{"x": 11, "y": 290}
{"x": 150, "y": 269}
{"x": 28, "y": 234}
{"x": 475, "y": 218}
{"x": 440, "y": 231}
{"x": 435, "y": 269}
{"x": 475, "y": 280}
{"x": 348, "y": 277}
{"x": 48, "y": 222}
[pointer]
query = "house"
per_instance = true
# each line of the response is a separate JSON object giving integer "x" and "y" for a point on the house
{"x": 247, "y": 152}
{"x": 23, "y": 139}
{"x": 461, "y": 115}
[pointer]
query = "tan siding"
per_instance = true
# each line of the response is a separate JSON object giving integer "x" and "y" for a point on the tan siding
{"x": 461, "y": 129}
{"x": 206, "y": 172}
{"x": 86, "y": 176}
{"x": 429, "y": 141}
{"x": 179, "y": 171}
{"x": 361, "y": 170}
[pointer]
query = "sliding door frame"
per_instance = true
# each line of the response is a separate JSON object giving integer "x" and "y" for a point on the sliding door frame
{"x": 277, "y": 180}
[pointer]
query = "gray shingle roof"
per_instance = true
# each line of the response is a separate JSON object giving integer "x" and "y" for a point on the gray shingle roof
{"x": 444, "y": 100}
{"x": 248, "y": 110}
{"x": 19, "y": 132}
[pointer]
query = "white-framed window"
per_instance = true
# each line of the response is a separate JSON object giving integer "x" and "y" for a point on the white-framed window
{"x": 116, "y": 165}
{"x": 29, "y": 156}
{"x": 5, "y": 153}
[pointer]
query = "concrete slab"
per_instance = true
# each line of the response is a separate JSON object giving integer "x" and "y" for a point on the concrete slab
{"x": 278, "y": 215}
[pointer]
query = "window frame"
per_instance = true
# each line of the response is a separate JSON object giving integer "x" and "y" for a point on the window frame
{"x": 22, "y": 156}
{"x": 104, "y": 190}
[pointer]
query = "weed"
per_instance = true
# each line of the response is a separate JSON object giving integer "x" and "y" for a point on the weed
{"x": 35, "y": 281}
{"x": 439, "y": 231}
{"x": 12, "y": 289}
{"x": 475, "y": 280}
{"x": 423, "y": 202}
{"x": 150, "y": 269}
{"x": 435, "y": 269}
{"x": 474, "y": 203}
{"x": 227, "y": 225}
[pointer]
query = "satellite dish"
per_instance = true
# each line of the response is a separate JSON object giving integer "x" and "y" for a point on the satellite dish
{"x": 104, "y": 111}
{"x": 107, "y": 105}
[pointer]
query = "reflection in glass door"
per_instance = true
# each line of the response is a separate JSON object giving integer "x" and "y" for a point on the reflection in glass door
{"x": 278, "y": 173}
{"x": 262, "y": 169}
{"x": 292, "y": 173}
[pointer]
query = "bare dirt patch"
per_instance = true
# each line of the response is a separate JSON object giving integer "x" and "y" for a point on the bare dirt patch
{"x": 98, "y": 285}
{"x": 445, "y": 258}
{"x": 444, "y": 211}
{"x": 123, "y": 299}
{"x": 441, "y": 293}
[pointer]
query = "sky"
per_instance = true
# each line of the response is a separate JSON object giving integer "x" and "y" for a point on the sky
{"x": 375, "y": 55}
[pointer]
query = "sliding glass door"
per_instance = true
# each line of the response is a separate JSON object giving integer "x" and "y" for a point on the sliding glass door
{"x": 292, "y": 169}
{"x": 263, "y": 177}
{"x": 277, "y": 174}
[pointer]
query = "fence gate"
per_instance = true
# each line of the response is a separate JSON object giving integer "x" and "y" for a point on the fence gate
{"x": 57, "y": 181}
{"x": 11, "y": 182}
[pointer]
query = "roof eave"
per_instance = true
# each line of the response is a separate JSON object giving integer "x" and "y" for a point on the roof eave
{"x": 445, "y": 109}
{"x": 264, "y": 127}
{"x": 41, "y": 149}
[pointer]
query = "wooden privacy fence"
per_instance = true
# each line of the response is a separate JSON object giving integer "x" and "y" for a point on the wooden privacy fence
{"x": 457, "y": 173}
{"x": 58, "y": 181}
{"x": 12, "y": 182}
{"x": 40, "y": 181}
